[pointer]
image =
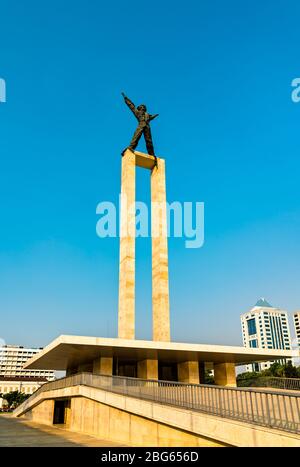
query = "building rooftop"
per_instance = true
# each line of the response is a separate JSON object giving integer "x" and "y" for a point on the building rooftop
{"x": 72, "y": 351}
{"x": 24, "y": 379}
{"x": 263, "y": 303}
{"x": 19, "y": 347}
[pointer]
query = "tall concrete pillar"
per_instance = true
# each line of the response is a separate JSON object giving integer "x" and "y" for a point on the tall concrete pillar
{"x": 160, "y": 274}
{"x": 188, "y": 372}
{"x": 147, "y": 369}
{"x": 103, "y": 366}
{"x": 224, "y": 374}
{"x": 160, "y": 281}
{"x": 126, "y": 320}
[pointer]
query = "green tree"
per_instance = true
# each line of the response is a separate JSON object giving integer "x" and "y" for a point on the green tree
{"x": 290, "y": 371}
{"x": 15, "y": 398}
{"x": 208, "y": 377}
{"x": 282, "y": 371}
{"x": 276, "y": 369}
{"x": 247, "y": 379}
{"x": 248, "y": 375}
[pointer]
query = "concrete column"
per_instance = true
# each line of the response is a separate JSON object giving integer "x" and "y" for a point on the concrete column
{"x": 147, "y": 369}
{"x": 84, "y": 368}
{"x": 160, "y": 275}
{"x": 224, "y": 374}
{"x": 126, "y": 323}
{"x": 201, "y": 372}
{"x": 68, "y": 412}
{"x": 103, "y": 366}
{"x": 188, "y": 372}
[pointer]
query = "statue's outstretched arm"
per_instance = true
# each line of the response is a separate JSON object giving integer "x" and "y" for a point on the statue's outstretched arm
{"x": 152, "y": 117}
{"x": 130, "y": 104}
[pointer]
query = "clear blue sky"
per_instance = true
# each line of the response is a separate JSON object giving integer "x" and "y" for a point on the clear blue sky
{"x": 219, "y": 74}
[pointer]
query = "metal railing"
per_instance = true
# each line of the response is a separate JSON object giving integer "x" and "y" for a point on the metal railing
{"x": 292, "y": 384}
{"x": 279, "y": 410}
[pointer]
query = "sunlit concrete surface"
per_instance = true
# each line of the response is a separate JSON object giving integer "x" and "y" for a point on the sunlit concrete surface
{"x": 138, "y": 422}
{"x": 160, "y": 275}
{"x": 71, "y": 351}
{"x": 16, "y": 432}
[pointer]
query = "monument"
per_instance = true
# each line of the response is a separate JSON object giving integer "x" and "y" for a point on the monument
{"x": 160, "y": 280}
{"x": 126, "y": 390}
{"x": 126, "y": 356}
{"x": 144, "y": 119}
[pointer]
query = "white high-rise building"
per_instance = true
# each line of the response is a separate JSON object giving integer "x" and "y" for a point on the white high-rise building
{"x": 266, "y": 327}
{"x": 12, "y": 375}
{"x": 297, "y": 326}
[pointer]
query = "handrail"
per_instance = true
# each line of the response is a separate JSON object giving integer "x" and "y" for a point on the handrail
{"x": 270, "y": 382}
{"x": 274, "y": 409}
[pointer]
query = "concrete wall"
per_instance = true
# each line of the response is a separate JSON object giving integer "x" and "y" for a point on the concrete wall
{"x": 107, "y": 422}
{"x": 41, "y": 413}
{"x": 109, "y": 414}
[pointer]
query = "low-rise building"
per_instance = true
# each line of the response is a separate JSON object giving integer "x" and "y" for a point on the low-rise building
{"x": 13, "y": 377}
{"x": 26, "y": 385}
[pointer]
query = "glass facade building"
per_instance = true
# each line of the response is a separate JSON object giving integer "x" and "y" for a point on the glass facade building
{"x": 297, "y": 326}
{"x": 266, "y": 327}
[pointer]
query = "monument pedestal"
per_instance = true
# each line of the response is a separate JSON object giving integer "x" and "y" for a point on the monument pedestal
{"x": 147, "y": 369}
{"x": 103, "y": 366}
{"x": 160, "y": 279}
{"x": 126, "y": 323}
{"x": 188, "y": 372}
{"x": 224, "y": 374}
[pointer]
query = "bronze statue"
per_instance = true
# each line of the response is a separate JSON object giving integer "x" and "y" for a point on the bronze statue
{"x": 144, "y": 120}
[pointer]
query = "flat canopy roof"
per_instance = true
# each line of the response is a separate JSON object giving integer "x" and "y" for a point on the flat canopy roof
{"x": 71, "y": 351}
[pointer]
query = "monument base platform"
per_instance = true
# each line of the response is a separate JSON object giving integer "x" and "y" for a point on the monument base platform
{"x": 170, "y": 361}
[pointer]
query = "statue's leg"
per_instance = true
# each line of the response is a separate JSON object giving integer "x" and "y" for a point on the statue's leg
{"x": 136, "y": 137}
{"x": 148, "y": 139}
{"x": 149, "y": 142}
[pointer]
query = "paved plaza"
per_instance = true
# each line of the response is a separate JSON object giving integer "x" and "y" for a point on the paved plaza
{"x": 23, "y": 433}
